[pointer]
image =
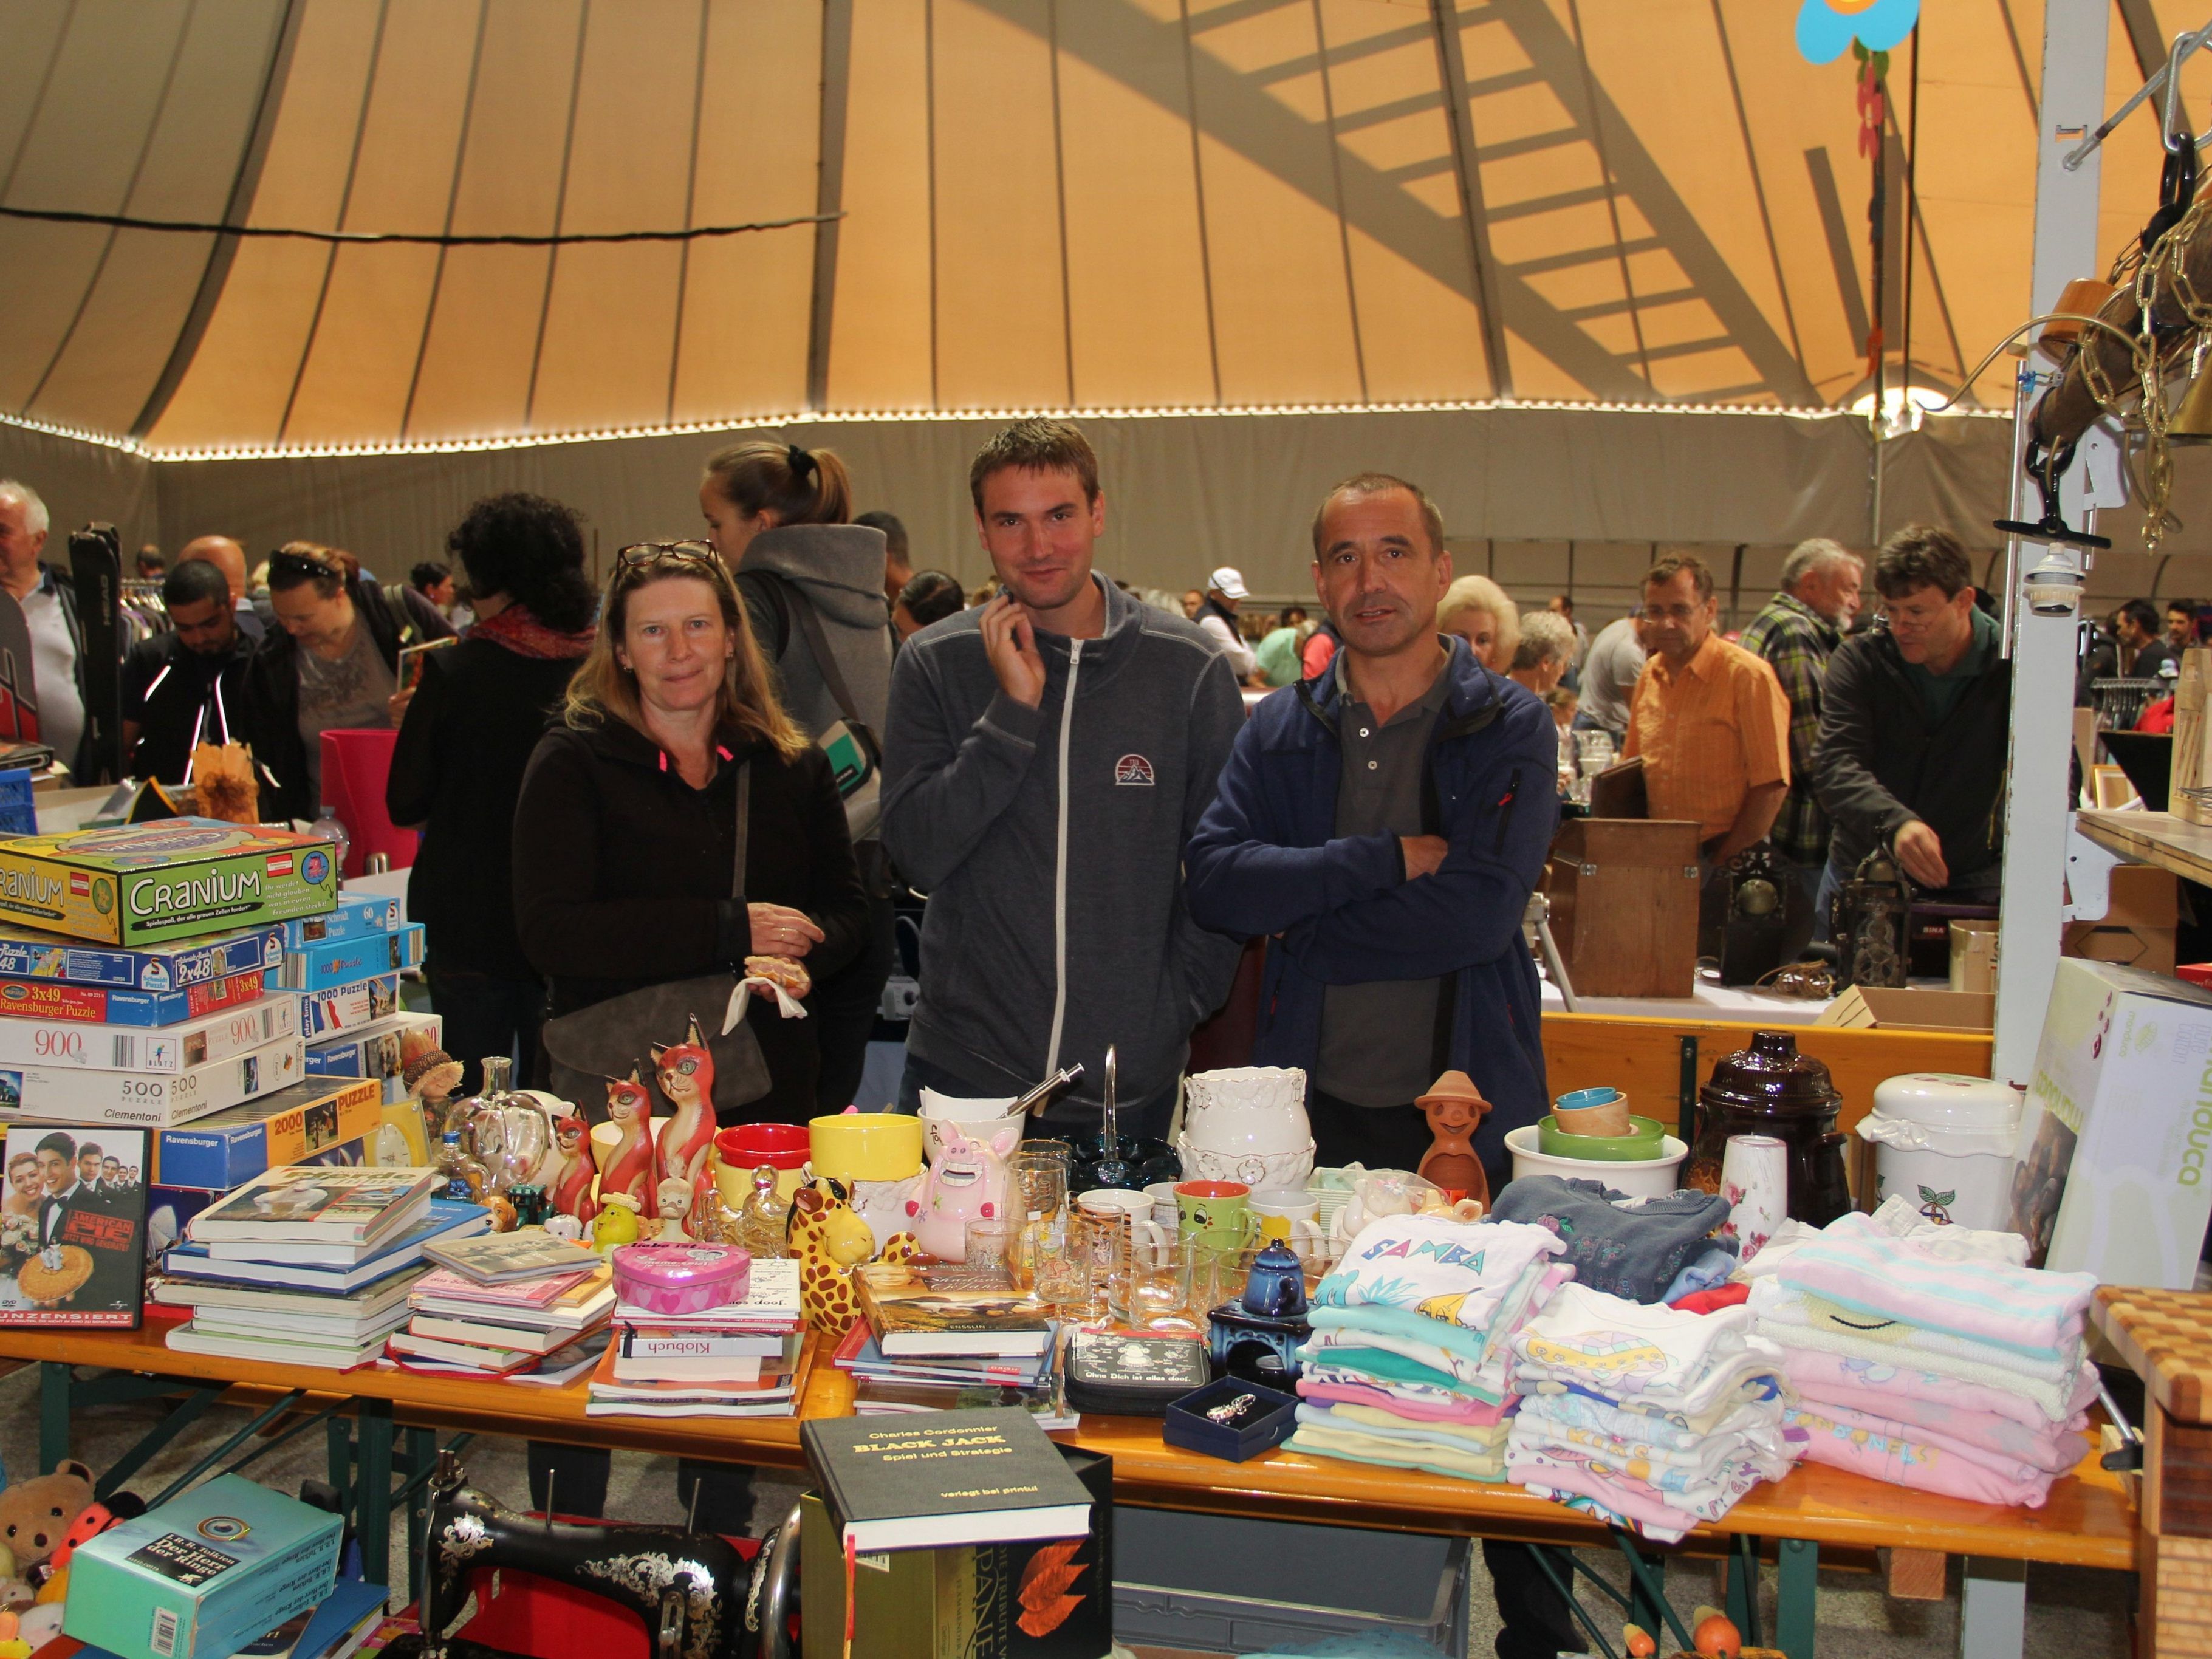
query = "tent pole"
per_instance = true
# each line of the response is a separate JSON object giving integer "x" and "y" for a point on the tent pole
{"x": 2035, "y": 815}
{"x": 829, "y": 192}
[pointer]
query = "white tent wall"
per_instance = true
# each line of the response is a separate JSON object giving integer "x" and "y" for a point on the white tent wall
{"x": 82, "y": 484}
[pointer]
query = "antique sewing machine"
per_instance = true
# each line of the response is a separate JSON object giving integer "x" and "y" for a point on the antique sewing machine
{"x": 689, "y": 1588}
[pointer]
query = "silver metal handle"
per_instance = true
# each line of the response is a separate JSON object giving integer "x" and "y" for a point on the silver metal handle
{"x": 779, "y": 1588}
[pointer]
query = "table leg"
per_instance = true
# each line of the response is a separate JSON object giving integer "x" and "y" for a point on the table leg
{"x": 1992, "y": 1608}
{"x": 55, "y": 1380}
{"x": 1794, "y": 1614}
{"x": 422, "y": 1454}
{"x": 372, "y": 1489}
{"x": 1743, "y": 1589}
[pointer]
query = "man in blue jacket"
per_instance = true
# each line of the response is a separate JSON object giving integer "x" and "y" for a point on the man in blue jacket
{"x": 1383, "y": 823}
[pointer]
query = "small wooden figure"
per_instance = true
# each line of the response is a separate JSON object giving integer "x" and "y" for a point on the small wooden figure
{"x": 686, "y": 1072}
{"x": 1455, "y": 1109}
{"x": 626, "y": 1167}
{"x": 566, "y": 1172}
{"x": 431, "y": 1077}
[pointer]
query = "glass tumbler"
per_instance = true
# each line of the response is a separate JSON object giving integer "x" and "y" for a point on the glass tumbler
{"x": 1073, "y": 1266}
{"x": 1154, "y": 1289}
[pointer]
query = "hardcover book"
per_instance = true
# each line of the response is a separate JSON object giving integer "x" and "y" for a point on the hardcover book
{"x": 964, "y": 1477}
{"x": 313, "y": 1205}
{"x": 73, "y": 1227}
{"x": 395, "y": 1253}
{"x": 497, "y": 1258}
{"x": 1050, "y": 1600}
{"x": 909, "y": 1315}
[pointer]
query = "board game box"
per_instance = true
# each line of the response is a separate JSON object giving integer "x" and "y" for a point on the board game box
{"x": 138, "y": 884}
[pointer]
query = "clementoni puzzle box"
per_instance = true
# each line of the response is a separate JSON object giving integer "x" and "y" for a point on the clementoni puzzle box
{"x": 138, "y": 884}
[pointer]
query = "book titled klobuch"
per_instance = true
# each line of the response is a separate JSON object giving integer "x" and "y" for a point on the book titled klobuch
{"x": 948, "y": 1478}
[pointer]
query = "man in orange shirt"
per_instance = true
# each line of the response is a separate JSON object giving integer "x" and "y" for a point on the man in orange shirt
{"x": 1708, "y": 718}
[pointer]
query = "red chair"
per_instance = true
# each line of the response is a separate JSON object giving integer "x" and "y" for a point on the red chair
{"x": 356, "y": 765}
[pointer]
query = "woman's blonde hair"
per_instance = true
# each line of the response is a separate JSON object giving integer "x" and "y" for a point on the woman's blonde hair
{"x": 603, "y": 687}
{"x": 802, "y": 486}
{"x": 1480, "y": 593}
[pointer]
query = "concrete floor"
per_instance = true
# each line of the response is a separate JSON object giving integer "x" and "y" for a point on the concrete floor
{"x": 2073, "y": 1613}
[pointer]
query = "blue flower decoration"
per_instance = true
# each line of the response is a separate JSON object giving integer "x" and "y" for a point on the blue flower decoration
{"x": 1826, "y": 28}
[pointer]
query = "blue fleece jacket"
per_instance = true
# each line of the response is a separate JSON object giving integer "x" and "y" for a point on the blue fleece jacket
{"x": 1267, "y": 859}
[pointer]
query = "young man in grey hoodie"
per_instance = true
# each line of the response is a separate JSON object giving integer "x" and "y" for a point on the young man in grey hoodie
{"x": 1048, "y": 754}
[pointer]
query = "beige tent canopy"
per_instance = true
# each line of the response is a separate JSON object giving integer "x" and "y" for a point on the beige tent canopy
{"x": 1100, "y": 205}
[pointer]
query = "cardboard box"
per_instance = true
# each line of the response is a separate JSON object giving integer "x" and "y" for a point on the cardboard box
{"x": 43, "y": 956}
{"x": 2137, "y": 930}
{"x": 374, "y": 1051}
{"x": 2114, "y": 1171}
{"x": 348, "y": 1007}
{"x": 220, "y": 1036}
{"x": 50, "y": 1000}
{"x": 346, "y": 960}
{"x": 1873, "y": 1008}
{"x": 139, "y": 883}
{"x": 203, "y": 1575}
{"x": 356, "y": 914}
{"x": 231, "y": 1147}
{"x": 1974, "y": 956}
{"x": 155, "y": 1103}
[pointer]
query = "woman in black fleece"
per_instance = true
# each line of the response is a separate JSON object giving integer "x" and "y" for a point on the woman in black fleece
{"x": 624, "y": 844}
{"x": 625, "y": 835}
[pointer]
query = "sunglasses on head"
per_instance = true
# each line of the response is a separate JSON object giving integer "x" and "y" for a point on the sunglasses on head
{"x": 643, "y": 556}
{"x": 303, "y": 564}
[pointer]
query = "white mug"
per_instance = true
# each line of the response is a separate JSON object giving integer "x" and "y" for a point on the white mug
{"x": 1162, "y": 1193}
{"x": 1135, "y": 1212}
{"x": 1289, "y": 1213}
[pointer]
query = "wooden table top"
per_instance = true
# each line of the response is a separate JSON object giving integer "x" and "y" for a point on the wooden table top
{"x": 2158, "y": 838}
{"x": 2088, "y": 1522}
{"x": 2165, "y": 1337}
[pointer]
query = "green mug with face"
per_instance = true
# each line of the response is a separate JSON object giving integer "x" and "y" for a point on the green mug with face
{"x": 1217, "y": 1214}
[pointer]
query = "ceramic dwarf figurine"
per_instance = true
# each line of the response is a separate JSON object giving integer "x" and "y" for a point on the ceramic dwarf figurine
{"x": 686, "y": 1072}
{"x": 1455, "y": 1109}
{"x": 626, "y": 1167}
{"x": 673, "y": 1205}
{"x": 565, "y": 1172}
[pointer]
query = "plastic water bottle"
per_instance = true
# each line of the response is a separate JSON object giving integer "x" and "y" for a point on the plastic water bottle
{"x": 329, "y": 825}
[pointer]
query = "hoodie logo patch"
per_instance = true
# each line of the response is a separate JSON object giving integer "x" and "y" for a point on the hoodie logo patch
{"x": 1133, "y": 769}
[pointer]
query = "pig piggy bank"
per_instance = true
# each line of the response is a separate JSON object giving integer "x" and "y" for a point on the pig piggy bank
{"x": 967, "y": 1183}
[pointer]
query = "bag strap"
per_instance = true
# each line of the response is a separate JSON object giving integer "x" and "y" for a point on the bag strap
{"x": 818, "y": 642}
{"x": 744, "y": 824}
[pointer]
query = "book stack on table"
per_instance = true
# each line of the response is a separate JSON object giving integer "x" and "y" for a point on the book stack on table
{"x": 138, "y": 967}
{"x": 523, "y": 1304}
{"x": 746, "y": 1358}
{"x": 308, "y": 1266}
{"x": 942, "y": 1338}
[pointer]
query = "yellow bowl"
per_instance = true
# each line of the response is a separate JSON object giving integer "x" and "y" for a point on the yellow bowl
{"x": 866, "y": 1145}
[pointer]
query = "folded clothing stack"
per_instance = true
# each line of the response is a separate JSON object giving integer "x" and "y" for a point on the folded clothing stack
{"x": 1651, "y": 1417}
{"x": 1409, "y": 1363}
{"x": 1931, "y": 1361}
{"x": 1636, "y": 1248}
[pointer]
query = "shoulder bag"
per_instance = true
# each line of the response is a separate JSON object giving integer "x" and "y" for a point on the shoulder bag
{"x": 605, "y": 1040}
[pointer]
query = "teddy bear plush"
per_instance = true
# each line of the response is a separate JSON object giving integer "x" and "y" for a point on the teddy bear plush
{"x": 36, "y": 1515}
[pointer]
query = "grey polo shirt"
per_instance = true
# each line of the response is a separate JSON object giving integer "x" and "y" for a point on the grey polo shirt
{"x": 1378, "y": 1040}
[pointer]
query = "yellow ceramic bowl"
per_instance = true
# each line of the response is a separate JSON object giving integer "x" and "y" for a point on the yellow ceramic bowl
{"x": 866, "y": 1145}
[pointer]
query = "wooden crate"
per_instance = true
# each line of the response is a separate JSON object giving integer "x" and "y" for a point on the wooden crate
{"x": 1624, "y": 897}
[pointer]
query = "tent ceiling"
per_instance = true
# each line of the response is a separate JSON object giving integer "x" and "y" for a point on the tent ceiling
{"x": 1056, "y": 204}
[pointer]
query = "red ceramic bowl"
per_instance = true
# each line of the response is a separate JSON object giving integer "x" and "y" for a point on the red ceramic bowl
{"x": 749, "y": 1145}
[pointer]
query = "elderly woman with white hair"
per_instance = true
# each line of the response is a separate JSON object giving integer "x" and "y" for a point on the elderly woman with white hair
{"x": 1547, "y": 646}
{"x": 1476, "y": 609}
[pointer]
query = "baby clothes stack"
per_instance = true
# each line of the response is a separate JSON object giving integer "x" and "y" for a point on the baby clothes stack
{"x": 1649, "y": 1416}
{"x": 1409, "y": 1363}
{"x": 1647, "y": 1249}
{"x": 1929, "y": 1359}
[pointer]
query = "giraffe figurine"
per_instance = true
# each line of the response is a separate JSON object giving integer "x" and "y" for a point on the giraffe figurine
{"x": 829, "y": 1239}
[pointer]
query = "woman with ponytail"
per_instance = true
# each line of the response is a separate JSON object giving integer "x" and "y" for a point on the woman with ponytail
{"x": 812, "y": 581}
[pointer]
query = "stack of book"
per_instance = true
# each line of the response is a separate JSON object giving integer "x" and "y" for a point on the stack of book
{"x": 158, "y": 1003}
{"x": 745, "y": 1359}
{"x": 943, "y": 1339}
{"x": 506, "y": 1305}
{"x": 308, "y": 1266}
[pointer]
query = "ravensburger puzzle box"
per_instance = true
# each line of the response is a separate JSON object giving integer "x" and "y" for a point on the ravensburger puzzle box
{"x": 137, "y": 883}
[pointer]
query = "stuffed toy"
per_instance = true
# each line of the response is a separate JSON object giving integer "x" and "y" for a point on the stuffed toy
{"x": 36, "y": 1515}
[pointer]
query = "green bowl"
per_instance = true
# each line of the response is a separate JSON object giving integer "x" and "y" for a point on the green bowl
{"x": 1646, "y": 1139}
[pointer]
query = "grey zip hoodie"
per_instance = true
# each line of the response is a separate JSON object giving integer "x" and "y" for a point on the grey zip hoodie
{"x": 840, "y": 566}
{"x": 1050, "y": 840}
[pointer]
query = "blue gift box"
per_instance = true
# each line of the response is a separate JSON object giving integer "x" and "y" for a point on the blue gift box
{"x": 1271, "y": 1419}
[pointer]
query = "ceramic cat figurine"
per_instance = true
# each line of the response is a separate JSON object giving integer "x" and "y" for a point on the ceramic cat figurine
{"x": 686, "y": 1072}
{"x": 626, "y": 1167}
{"x": 967, "y": 1183}
{"x": 565, "y": 1174}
